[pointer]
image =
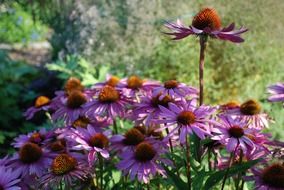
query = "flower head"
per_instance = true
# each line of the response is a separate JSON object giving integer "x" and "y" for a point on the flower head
{"x": 277, "y": 92}
{"x": 31, "y": 159}
{"x": 70, "y": 108}
{"x": 108, "y": 102}
{"x": 41, "y": 103}
{"x": 66, "y": 168}
{"x": 175, "y": 89}
{"x": 235, "y": 135}
{"x": 270, "y": 178}
{"x": 93, "y": 141}
{"x": 207, "y": 22}
{"x": 9, "y": 179}
{"x": 250, "y": 112}
{"x": 144, "y": 161}
{"x": 187, "y": 118}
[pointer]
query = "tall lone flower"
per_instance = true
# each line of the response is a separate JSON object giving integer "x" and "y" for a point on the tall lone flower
{"x": 205, "y": 23}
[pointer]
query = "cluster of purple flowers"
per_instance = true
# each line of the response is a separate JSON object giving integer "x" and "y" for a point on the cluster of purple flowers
{"x": 163, "y": 117}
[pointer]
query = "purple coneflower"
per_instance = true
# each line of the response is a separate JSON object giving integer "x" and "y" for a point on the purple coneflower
{"x": 206, "y": 22}
{"x": 250, "y": 112}
{"x": 109, "y": 102}
{"x": 92, "y": 141}
{"x": 270, "y": 178}
{"x": 41, "y": 103}
{"x": 70, "y": 108}
{"x": 31, "y": 159}
{"x": 38, "y": 137}
{"x": 234, "y": 134}
{"x": 99, "y": 123}
{"x": 148, "y": 108}
{"x": 277, "y": 92}
{"x": 66, "y": 168}
{"x": 175, "y": 89}
{"x": 9, "y": 179}
{"x": 187, "y": 118}
{"x": 134, "y": 84}
{"x": 144, "y": 161}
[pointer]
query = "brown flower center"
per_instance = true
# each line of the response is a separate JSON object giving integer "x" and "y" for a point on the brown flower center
{"x": 273, "y": 176}
{"x": 230, "y": 105}
{"x": 58, "y": 145}
{"x": 63, "y": 164}
{"x": 186, "y": 118}
{"x": 41, "y": 101}
{"x": 30, "y": 153}
{"x": 36, "y": 138}
{"x": 73, "y": 84}
{"x": 108, "y": 94}
{"x": 133, "y": 137}
{"x": 112, "y": 81}
{"x": 142, "y": 129}
{"x": 171, "y": 84}
{"x": 134, "y": 82}
{"x": 250, "y": 107}
{"x": 144, "y": 152}
{"x": 207, "y": 17}
{"x": 236, "y": 132}
{"x": 164, "y": 102}
{"x": 81, "y": 122}
{"x": 1, "y": 187}
{"x": 76, "y": 99}
{"x": 99, "y": 140}
{"x": 156, "y": 134}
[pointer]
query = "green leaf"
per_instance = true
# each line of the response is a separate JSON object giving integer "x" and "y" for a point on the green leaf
{"x": 198, "y": 179}
{"x": 178, "y": 182}
{"x": 216, "y": 177}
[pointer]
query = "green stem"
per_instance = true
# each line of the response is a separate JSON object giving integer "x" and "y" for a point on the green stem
{"x": 227, "y": 171}
{"x": 188, "y": 172}
{"x": 115, "y": 126}
{"x": 101, "y": 163}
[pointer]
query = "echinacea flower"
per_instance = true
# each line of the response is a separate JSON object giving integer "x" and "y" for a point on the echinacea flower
{"x": 70, "y": 108}
{"x": 187, "y": 118}
{"x": 96, "y": 143}
{"x": 108, "y": 102}
{"x": 148, "y": 108}
{"x": 41, "y": 103}
{"x": 9, "y": 179}
{"x": 270, "y": 178}
{"x": 129, "y": 140}
{"x": 206, "y": 23}
{"x": 73, "y": 84}
{"x": 38, "y": 137}
{"x": 31, "y": 159}
{"x": 65, "y": 168}
{"x": 277, "y": 92}
{"x": 250, "y": 112}
{"x": 144, "y": 161}
{"x": 175, "y": 89}
{"x": 234, "y": 134}
{"x": 134, "y": 84}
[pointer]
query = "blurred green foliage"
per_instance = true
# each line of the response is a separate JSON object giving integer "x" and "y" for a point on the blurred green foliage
{"x": 17, "y": 25}
{"x": 77, "y": 66}
{"x": 15, "y": 78}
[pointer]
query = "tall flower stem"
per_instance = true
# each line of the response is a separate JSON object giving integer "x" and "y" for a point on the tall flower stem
{"x": 188, "y": 173}
{"x": 203, "y": 44}
{"x": 171, "y": 149}
{"x": 115, "y": 126}
{"x": 101, "y": 171}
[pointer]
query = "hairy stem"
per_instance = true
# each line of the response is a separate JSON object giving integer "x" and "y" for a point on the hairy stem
{"x": 203, "y": 43}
